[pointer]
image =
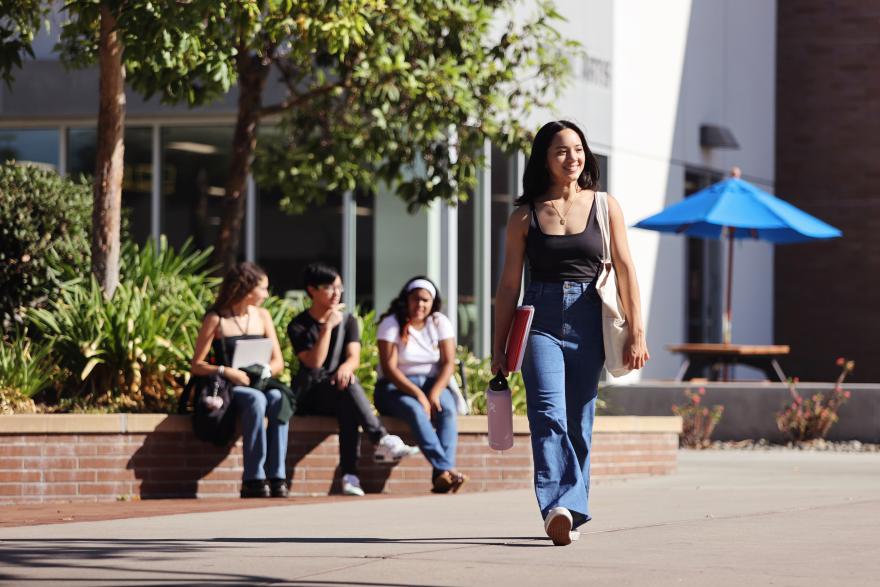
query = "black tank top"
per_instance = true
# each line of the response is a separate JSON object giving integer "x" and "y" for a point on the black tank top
{"x": 564, "y": 257}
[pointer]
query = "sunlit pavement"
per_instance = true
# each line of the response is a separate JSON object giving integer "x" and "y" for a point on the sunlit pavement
{"x": 725, "y": 518}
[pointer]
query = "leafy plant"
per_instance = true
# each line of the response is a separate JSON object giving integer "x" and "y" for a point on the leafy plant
{"x": 698, "y": 421}
{"x": 367, "y": 373}
{"x": 130, "y": 352}
{"x": 282, "y": 311}
{"x": 44, "y": 226}
{"x": 807, "y": 419}
{"x": 25, "y": 370}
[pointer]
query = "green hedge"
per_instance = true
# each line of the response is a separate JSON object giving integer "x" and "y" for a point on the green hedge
{"x": 44, "y": 225}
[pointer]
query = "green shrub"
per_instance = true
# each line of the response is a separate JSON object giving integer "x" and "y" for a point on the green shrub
{"x": 132, "y": 352}
{"x": 697, "y": 421}
{"x": 367, "y": 373}
{"x": 809, "y": 419}
{"x": 282, "y": 311}
{"x": 25, "y": 370}
{"x": 44, "y": 224}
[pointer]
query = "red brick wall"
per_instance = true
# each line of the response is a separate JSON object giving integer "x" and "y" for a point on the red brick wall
{"x": 827, "y": 148}
{"x": 172, "y": 463}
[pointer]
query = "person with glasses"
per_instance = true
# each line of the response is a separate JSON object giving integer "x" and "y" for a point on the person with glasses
{"x": 326, "y": 384}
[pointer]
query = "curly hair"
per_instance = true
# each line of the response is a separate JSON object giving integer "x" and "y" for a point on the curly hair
{"x": 399, "y": 307}
{"x": 237, "y": 284}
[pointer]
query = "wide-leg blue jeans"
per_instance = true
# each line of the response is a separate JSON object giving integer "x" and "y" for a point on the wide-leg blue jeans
{"x": 264, "y": 450}
{"x": 561, "y": 369}
{"x": 437, "y": 436}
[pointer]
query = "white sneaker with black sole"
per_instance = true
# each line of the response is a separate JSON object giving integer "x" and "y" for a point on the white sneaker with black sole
{"x": 391, "y": 448}
{"x": 558, "y": 525}
{"x": 351, "y": 485}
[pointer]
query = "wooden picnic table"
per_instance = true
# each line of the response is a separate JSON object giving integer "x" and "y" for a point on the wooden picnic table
{"x": 719, "y": 357}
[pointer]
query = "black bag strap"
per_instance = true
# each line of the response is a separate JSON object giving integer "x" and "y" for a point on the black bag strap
{"x": 337, "y": 345}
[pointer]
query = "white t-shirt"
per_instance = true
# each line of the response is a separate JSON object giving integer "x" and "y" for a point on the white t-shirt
{"x": 421, "y": 355}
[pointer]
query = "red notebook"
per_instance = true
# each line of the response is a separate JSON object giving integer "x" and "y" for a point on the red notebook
{"x": 518, "y": 337}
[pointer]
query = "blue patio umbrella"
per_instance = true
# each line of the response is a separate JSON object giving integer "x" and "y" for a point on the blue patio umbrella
{"x": 734, "y": 208}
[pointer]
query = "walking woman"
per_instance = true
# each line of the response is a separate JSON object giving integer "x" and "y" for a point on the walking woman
{"x": 416, "y": 361}
{"x": 556, "y": 228}
{"x": 237, "y": 315}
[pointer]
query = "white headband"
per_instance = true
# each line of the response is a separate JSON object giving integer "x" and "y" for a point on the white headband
{"x": 422, "y": 284}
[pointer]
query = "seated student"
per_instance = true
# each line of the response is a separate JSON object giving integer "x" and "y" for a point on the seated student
{"x": 417, "y": 359}
{"x": 237, "y": 315}
{"x": 334, "y": 390}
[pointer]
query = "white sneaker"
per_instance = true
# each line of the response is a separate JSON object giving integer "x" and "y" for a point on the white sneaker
{"x": 351, "y": 485}
{"x": 391, "y": 449}
{"x": 558, "y": 524}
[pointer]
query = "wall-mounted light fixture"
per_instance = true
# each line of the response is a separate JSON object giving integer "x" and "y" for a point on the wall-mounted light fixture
{"x": 713, "y": 136}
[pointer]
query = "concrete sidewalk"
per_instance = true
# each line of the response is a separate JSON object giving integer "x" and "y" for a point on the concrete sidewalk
{"x": 726, "y": 518}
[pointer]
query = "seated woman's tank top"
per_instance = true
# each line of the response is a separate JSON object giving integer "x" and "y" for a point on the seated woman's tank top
{"x": 564, "y": 257}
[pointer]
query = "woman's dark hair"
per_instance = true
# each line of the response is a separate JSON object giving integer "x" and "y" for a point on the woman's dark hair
{"x": 536, "y": 178}
{"x": 237, "y": 284}
{"x": 399, "y": 307}
{"x": 318, "y": 274}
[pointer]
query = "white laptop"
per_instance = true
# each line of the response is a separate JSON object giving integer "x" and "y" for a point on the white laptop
{"x": 251, "y": 351}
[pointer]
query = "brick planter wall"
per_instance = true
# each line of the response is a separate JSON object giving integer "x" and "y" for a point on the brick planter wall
{"x": 109, "y": 457}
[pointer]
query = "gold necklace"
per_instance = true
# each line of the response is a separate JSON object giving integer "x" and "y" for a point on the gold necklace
{"x": 562, "y": 216}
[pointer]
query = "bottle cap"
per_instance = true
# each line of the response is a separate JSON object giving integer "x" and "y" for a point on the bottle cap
{"x": 498, "y": 383}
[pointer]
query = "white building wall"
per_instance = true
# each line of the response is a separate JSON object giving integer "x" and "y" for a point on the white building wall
{"x": 677, "y": 65}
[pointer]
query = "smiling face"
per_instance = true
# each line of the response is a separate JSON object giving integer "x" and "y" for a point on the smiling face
{"x": 565, "y": 157}
{"x": 258, "y": 295}
{"x": 419, "y": 304}
{"x": 326, "y": 295}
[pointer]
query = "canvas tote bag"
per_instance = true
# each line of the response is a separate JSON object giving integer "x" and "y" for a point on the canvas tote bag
{"x": 614, "y": 327}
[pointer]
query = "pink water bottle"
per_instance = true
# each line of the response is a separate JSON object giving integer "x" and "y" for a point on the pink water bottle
{"x": 499, "y": 404}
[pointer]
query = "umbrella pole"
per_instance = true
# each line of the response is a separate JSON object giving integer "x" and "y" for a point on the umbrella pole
{"x": 727, "y": 326}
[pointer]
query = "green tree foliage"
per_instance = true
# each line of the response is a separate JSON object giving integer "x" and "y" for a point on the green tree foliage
{"x": 403, "y": 91}
{"x": 44, "y": 227}
{"x": 20, "y": 21}
{"x": 407, "y": 92}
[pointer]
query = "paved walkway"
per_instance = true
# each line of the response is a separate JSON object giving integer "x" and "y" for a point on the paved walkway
{"x": 726, "y": 518}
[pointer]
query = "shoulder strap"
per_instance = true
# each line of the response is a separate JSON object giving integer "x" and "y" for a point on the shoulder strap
{"x": 337, "y": 345}
{"x": 604, "y": 224}
{"x": 222, "y": 338}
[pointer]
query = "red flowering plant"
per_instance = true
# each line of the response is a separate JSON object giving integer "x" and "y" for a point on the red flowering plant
{"x": 806, "y": 419}
{"x": 698, "y": 421}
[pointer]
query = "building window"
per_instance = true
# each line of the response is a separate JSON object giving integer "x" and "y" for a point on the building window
{"x": 195, "y": 165}
{"x": 603, "y": 172}
{"x": 30, "y": 146}
{"x": 365, "y": 259}
{"x": 286, "y": 243}
{"x": 703, "y": 273}
{"x": 137, "y": 178}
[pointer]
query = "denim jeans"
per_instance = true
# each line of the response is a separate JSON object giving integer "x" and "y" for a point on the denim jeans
{"x": 438, "y": 435}
{"x": 352, "y": 410}
{"x": 561, "y": 369}
{"x": 264, "y": 450}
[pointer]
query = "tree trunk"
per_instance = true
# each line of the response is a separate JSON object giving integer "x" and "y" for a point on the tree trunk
{"x": 109, "y": 159}
{"x": 252, "y": 74}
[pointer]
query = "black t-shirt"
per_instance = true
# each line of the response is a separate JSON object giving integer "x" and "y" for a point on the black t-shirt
{"x": 304, "y": 330}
